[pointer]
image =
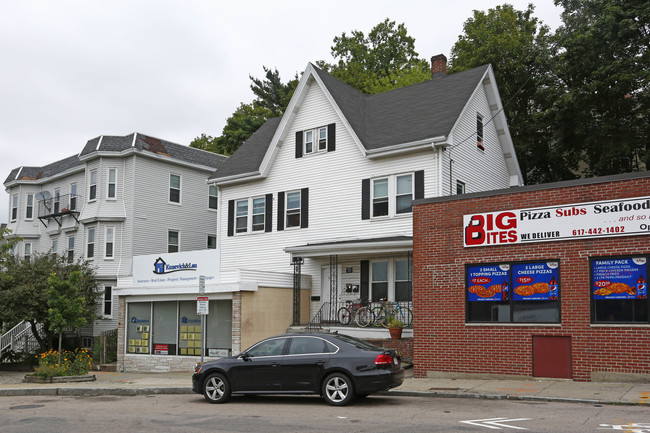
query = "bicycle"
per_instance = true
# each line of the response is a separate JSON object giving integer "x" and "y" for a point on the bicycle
{"x": 348, "y": 312}
{"x": 364, "y": 316}
{"x": 391, "y": 310}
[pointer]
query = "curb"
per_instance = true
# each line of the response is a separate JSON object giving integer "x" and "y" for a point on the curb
{"x": 89, "y": 392}
{"x": 509, "y": 397}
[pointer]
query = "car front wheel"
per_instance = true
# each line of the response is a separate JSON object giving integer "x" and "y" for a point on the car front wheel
{"x": 337, "y": 389}
{"x": 216, "y": 388}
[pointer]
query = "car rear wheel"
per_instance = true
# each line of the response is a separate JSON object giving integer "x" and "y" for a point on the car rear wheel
{"x": 216, "y": 388}
{"x": 337, "y": 389}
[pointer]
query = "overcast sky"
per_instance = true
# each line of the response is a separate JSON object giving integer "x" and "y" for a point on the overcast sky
{"x": 75, "y": 70}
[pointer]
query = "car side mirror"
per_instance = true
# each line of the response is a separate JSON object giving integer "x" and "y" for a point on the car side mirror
{"x": 245, "y": 356}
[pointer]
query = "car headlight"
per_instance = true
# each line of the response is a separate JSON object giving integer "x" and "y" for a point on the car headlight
{"x": 197, "y": 367}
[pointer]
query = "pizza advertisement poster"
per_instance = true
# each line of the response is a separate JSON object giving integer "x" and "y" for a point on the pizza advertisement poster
{"x": 488, "y": 282}
{"x": 617, "y": 278}
{"x": 537, "y": 281}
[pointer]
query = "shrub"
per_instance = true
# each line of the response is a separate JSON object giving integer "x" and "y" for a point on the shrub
{"x": 77, "y": 363}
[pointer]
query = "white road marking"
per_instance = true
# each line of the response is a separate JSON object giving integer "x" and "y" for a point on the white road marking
{"x": 496, "y": 423}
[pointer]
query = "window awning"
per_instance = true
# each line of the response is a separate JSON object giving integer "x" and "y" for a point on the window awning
{"x": 395, "y": 244}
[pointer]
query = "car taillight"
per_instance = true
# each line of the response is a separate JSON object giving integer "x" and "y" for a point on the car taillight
{"x": 383, "y": 359}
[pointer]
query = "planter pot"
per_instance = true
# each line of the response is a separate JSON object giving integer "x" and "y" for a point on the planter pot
{"x": 59, "y": 379}
{"x": 395, "y": 333}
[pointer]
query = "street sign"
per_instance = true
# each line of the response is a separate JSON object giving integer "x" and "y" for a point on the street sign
{"x": 201, "y": 284}
{"x": 202, "y": 305}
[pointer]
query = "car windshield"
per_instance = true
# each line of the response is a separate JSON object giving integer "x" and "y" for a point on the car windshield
{"x": 364, "y": 345}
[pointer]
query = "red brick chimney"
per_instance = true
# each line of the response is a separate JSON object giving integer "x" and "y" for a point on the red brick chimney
{"x": 438, "y": 65}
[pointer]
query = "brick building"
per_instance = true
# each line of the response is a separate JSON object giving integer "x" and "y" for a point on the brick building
{"x": 543, "y": 281}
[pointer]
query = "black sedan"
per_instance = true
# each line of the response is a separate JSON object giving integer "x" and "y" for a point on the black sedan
{"x": 337, "y": 367}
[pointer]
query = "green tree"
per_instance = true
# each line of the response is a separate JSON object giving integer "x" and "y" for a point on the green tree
{"x": 66, "y": 305}
{"x": 385, "y": 59}
{"x": 25, "y": 285}
{"x": 519, "y": 47}
{"x": 272, "y": 98}
{"x": 604, "y": 63}
{"x": 7, "y": 244}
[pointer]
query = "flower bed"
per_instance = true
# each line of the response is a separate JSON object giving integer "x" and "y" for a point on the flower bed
{"x": 77, "y": 363}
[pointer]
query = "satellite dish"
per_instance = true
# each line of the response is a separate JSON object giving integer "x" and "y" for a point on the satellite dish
{"x": 43, "y": 195}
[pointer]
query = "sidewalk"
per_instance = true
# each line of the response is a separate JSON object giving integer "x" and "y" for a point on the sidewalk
{"x": 110, "y": 383}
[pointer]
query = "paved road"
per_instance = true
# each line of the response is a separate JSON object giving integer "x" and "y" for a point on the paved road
{"x": 190, "y": 413}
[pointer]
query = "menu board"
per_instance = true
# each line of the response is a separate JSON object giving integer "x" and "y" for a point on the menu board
{"x": 488, "y": 283}
{"x": 537, "y": 281}
{"x": 622, "y": 278}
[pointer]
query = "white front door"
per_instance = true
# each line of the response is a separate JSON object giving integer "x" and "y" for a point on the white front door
{"x": 324, "y": 284}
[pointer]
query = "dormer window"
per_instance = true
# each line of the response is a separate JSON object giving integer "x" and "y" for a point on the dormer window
{"x": 321, "y": 139}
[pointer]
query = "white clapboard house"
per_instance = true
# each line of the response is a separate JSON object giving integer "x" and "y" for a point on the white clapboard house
{"x": 326, "y": 189}
{"x": 121, "y": 196}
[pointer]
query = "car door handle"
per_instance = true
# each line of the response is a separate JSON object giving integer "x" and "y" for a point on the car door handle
{"x": 275, "y": 364}
{"x": 320, "y": 362}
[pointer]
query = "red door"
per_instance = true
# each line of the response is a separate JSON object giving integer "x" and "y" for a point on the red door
{"x": 552, "y": 357}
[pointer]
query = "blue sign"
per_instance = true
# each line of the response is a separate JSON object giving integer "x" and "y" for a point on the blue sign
{"x": 488, "y": 283}
{"x": 622, "y": 278}
{"x": 161, "y": 267}
{"x": 538, "y": 281}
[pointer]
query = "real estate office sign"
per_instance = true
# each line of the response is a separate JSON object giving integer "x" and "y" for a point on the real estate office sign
{"x": 626, "y": 217}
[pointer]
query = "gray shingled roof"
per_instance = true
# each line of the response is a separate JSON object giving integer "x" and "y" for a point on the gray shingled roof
{"x": 154, "y": 145}
{"x": 405, "y": 115}
{"x": 143, "y": 143}
{"x": 36, "y": 173}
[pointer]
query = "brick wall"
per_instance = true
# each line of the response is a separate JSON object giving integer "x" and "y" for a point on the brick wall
{"x": 445, "y": 343}
{"x": 403, "y": 346}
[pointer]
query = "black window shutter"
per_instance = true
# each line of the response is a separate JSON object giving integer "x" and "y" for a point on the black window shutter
{"x": 281, "y": 210}
{"x": 304, "y": 208}
{"x": 365, "y": 280}
{"x": 331, "y": 137}
{"x": 365, "y": 199}
{"x": 231, "y": 217}
{"x": 419, "y": 184}
{"x": 299, "y": 144}
{"x": 268, "y": 218}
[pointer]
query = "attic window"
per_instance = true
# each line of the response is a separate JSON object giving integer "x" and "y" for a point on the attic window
{"x": 479, "y": 131}
{"x": 321, "y": 139}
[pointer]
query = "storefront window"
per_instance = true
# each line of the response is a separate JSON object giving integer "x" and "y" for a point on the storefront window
{"x": 164, "y": 330}
{"x": 513, "y": 292}
{"x": 218, "y": 333}
{"x": 190, "y": 329}
{"x": 138, "y": 327}
{"x": 619, "y": 291}
{"x": 176, "y": 328}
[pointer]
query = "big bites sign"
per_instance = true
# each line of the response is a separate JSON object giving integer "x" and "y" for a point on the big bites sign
{"x": 627, "y": 217}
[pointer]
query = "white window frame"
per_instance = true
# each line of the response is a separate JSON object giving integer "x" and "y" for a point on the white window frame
{"x": 316, "y": 143}
{"x": 391, "y": 275}
{"x": 57, "y": 200}
{"x": 14, "y": 208}
{"x": 27, "y": 250}
{"x": 73, "y": 196}
{"x": 107, "y": 302}
{"x": 70, "y": 252}
{"x": 91, "y": 235}
{"x": 249, "y": 216}
{"x": 29, "y": 207}
{"x": 178, "y": 244}
{"x": 208, "y": 242}
{"x": 109, "y": 239}
{"x": 293, "y": 210}
{"x": 55, "y": 246}
{"x": 215, "y": 196}
{"x": 92, "y": 185}
{"x": 391, "y": 181}
{"x": 110, "y": 170}
{"x": 180, "y": 185}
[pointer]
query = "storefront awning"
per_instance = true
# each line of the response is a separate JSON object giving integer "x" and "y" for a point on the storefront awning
{"x": 395, "y": 244}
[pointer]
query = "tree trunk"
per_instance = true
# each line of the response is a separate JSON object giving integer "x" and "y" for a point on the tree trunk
{"x": 60, "y": 343}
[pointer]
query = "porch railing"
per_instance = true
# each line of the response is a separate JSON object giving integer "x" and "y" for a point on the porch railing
{"x": 20, "y": 339}
{"x": 328, "y": 314}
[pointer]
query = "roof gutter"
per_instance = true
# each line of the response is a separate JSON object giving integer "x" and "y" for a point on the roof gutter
{"x": 428, "y": 143}
{"x": 236, "y": 178}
